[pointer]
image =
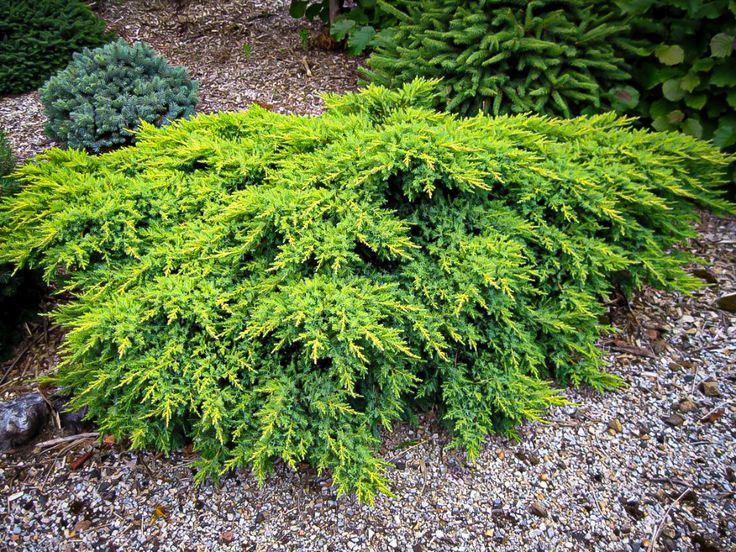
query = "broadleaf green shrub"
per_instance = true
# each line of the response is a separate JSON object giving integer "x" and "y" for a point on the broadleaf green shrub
{"x": 501, "y": 56}
{"x": 99, "y": 100}
{"x": 38, "y": 37}
{"x": 685, "y": 70}
{"x": 357, "y": 25}
{"x": 279, "y": 287}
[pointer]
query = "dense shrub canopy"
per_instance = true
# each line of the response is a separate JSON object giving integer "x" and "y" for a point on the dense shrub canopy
{"x": 38, "y": 37}
{"x": 505, "y": 56}
{"x": 275, "y": 286}
{"x": 103, "y": 95}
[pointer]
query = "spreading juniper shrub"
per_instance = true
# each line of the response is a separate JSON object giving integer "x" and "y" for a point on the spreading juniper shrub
{"x": 280, "y": 287}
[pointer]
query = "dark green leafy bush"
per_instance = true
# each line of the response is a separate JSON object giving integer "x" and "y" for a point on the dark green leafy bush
{"x": 686, "y": 70}
{"x": 102, "y": 96}
{"x": 38, "y": 37}
{"x": 275, "y": 286}
{"x": 504, "y": 56}
{"x": 356, "y": 25}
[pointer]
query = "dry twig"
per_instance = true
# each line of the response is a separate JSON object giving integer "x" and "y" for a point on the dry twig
{"x": 658, "y": 530}
{"x": 59, "y": 440}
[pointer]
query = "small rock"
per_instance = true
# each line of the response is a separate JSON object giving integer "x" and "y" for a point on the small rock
{"x": 706, "y": 543}
{"x": 705, "y": 275}
{"x": 259, "y": 518}
{"x": 529, "y": 457}
{"x": 674, "y": 420}
{"x": 21, "y": 419}
{"x": 615, "y": 426}
{"x": 228, "y": 537}
{"x": 727, "y": 302}
{"x": 633, "y": 508}
{"x": 538, "y": 510}
{"x": 685, "y": 406}
{"x": 710, "y": 388}
{"x": 82, "y": 525}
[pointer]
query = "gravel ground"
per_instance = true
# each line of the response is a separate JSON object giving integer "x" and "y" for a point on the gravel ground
{"x": 605, "y": 474}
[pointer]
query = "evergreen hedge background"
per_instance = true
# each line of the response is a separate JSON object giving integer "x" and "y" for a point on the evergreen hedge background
{"x": 38, "y": 37}
{"x": 272, "y": 286}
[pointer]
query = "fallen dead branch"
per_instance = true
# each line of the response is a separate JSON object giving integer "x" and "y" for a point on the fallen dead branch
{"x": 59, "y": 440}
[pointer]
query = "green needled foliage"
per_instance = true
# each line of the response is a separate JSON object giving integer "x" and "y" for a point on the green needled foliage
{"x": 357, "y": 25}
{"x": 280, "y": 287}
{"x": 38, "y": 37}
{"x": 7, "y": 165}
{"x": 103, "y": 95}
{"x": 557, "y": 57}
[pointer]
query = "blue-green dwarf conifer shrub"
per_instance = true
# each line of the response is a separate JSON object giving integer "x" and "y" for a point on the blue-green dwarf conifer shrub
{"x": 274, "y": 286}
{"x": 98, "y": 101}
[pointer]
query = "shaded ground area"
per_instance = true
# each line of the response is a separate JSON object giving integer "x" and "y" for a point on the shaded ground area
{"x": 607, "y": 473}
